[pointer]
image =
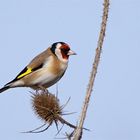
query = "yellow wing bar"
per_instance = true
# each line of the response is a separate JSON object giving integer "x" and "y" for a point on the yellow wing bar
{"x": 29, "y": 70}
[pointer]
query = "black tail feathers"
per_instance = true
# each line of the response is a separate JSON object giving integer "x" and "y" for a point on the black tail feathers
{"x": 4, "y": 88}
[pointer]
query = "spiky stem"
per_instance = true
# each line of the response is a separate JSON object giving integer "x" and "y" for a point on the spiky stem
{"x": 79, "y": 130}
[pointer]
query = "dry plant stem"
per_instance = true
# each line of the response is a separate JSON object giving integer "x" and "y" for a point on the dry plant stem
{"x": 67, "y": 123}
{"x": 78, "y": 131}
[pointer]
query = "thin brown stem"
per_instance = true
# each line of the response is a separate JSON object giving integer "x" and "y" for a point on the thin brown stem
{"x": 78, "y": 132}
{"x": 67, "y": 123}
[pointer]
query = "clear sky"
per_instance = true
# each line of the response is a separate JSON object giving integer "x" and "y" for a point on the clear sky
{"x": 28, "y": 27}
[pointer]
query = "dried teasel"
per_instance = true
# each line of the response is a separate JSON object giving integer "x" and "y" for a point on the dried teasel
{"x": 47, "y": 107}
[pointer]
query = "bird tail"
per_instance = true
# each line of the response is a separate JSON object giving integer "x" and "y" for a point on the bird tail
{"x": 4, "y": 88}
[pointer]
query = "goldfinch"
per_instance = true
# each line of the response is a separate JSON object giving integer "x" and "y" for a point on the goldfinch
{"x": 44, "y": 70}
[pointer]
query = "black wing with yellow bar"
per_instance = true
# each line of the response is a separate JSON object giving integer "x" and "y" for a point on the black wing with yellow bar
{"x": 25, "y": 72}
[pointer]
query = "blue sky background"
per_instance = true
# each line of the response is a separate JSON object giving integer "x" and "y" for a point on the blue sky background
{"x": 28, "y": 27}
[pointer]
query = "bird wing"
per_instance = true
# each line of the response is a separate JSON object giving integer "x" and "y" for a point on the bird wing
{"x": 34, "y": 65}
{"x": 39, "y": 60}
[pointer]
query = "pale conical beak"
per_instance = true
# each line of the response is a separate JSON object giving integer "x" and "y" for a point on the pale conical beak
{"x": 71, "y": 53}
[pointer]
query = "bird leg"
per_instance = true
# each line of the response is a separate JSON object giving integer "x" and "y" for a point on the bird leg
{"x": 42, "y": 88}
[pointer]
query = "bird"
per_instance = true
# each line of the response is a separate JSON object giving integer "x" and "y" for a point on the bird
{"x": 44, "y": 70}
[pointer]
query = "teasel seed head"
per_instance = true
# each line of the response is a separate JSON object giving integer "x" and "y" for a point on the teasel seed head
{"x": 46, "y": 106}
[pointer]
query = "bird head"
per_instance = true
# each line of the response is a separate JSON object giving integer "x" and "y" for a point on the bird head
{"x": 62, "y": 50}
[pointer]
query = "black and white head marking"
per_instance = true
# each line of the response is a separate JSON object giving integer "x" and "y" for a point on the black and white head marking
{"x": 60, "y": 49}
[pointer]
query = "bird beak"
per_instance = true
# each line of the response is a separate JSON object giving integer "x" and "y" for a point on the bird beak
{"x": 71, "y": 53}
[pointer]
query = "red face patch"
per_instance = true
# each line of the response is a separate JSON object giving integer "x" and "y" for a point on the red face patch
{"x": 64, "y": 51}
